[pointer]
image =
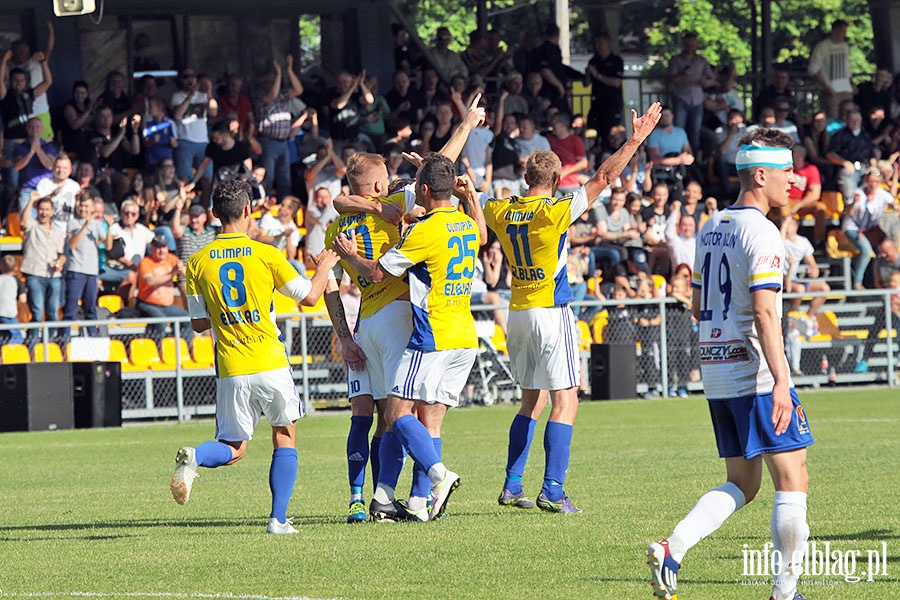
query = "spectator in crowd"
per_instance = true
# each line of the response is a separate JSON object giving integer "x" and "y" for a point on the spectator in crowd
{"x": 23, "y": 59}
{"x": 886, "y": 263}
{"x": 350, "y": 99}
{"x": 829, "y": 64}
{"x": 861, "y": 218}
{"x": 514, "y": 102}
{"x": 876, "y": 92}
{"x": 402, "y": 99}
{"x": 196, "y": 235}
{"x": 529, "y": 140}
{"x": 782, "y": 123}
{"x": 156, "y": 275}
{"x": 718, "y": 101}
{"x": 43, "y": 258}
{"x": 17, "y": 104}
{"x": 679, "y": 331}
{"x": 233, "y": 100}
{"x": 570, "y": 150}
{"x": 158, "y": 136}
{"x": 280, "y": 230}
{"x": 614, "y": 233}
{"x": 145, "y": 91}
{"x": 228, "y": 157}
{"x": 327, "y": 171}
{"x": 114, "y": 145}
{"x": 880, "y": 129}
{"x": 273, "y": 115}
{"x": 429, "y": 93}
{"x": 655, "y": 217}
{"x": 692, "y": 205}
{"x": 33, "y": 159}
{"x": 61, "y": 190}
{"x": 191, "y": 109}
{"x": 505, "y": 166}
{"x": 668, "y": 149}
{"x": 480, "y": 59}
{"x": 851, "y": 148}
{"x": 687, "y": 74}
{"x": 319, "y": 215}
{"x": 780, "y": 88}
{"x": 605, "y": 73}
{"x": 547, "y": 60}
{"x": 78, "y": 115}
{"x": 728, "y": 135}
{"x": 798, "y": 250}
{"x": 373, "y": 125}
{"x": 123, "y": 256}
{"x": 448, "y": 62}
{"x": 816, "y": 141}
{"x": 806, "y": 194}
{"x": 98, "y": 188}
{"x": 12, "y": 292}
{"x": 85, "y": 236}
{"x": 538, "y": 103}
{"x": 681, "y": 236}
{"x": 115, "y": 97}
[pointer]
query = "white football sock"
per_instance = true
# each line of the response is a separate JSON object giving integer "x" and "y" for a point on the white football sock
{"x": 789, "y": 534}
{"x": 416, "y": 503}
{"x": 384, "y": 493}
{"x": 708, "y": 514}
{"x": 437, "y": 473}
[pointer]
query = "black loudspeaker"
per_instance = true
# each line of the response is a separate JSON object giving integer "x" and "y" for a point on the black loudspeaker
{"x": 97, "y": 394}
{"x": 613, "y": 371}
{"x": 36, "y": 397}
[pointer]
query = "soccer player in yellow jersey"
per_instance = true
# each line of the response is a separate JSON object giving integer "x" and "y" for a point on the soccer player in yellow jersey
{"x": 438, "y": 255}
{"x": 384, "y": 328}
{"x": 543, "y": 338}
{"x": 230, "y": 284}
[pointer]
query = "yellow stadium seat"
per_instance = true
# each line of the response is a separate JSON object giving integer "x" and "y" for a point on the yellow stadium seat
{"x": 14, "y": 354}
{"x": 835, "y": 203}
{"x": 883, "y": 334}
{"x": 284, "y": 305}
{"x": 118, "y": 354}
{"x": 144, "y": 354}
{"x": 54, "y": 353}
{"x": 203, "y": 351}
{"x": 598, "y": 325}
{"x": 659, "y": 282}
{"x": 585, "y": 338}
{"x": 499, "y": 340}
{"x": 169, "y": 359}
{"x": 828, "y": 325}
{"x": 111, "y": 302}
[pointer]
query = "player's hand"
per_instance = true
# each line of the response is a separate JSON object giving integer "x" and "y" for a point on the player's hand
{"x": 643, "y": 126}
{"x": 392, "y": 213}
{"x": 413, "y": 158}
{"x": 345, "y": 245}
{"x": 414, "y": 215}
{"x": 464, "y": 188}
{"x": 476, "y": 114}
{"x": 353, "y": 355}
{"x": 326, "y": 259}
{"x": 782, "y": 408}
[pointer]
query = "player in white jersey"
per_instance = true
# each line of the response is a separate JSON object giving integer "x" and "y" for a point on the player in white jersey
{"x": 756, "y": 415}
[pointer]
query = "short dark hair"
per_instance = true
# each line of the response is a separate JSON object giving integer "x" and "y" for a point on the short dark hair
{"x": 17, "y": 71}
{"x": 763, "y": 136}
{"x": 439, "y": 174}
{"x": 229, "y": 199}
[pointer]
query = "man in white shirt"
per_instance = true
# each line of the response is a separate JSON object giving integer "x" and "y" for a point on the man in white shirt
{"x": 61, "y": 190}
{"x": 829, "y": 64}
{"x": 190, "y": 109}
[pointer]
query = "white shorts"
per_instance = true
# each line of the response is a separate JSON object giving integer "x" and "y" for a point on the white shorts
{"x": 438, "y": 376}
{"x": 543, "y": 348}
{"x": 242, "y": 398}
{"x": 383, "y": 337}
{"x": 358, "y": 383}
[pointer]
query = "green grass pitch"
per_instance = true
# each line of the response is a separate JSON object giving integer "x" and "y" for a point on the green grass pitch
{"x": 88, "y": 513}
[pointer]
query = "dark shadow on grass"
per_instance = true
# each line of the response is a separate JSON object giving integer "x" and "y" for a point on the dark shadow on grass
{"x": 259, "y": 521}
{"x": 89, "y": 538}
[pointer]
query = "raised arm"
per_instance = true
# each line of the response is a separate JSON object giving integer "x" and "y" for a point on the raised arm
{"x": 468, "y": 195}
{"x": 42, "y": 88}
{"x": 273, "y": 91}
{"x": 612, "y": 166}
{"x": 296, "y": 85}
{"x": 474, "y": 117}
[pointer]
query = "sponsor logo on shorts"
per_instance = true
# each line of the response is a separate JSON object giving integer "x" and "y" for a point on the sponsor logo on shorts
{"x": 723, "y": 352}
{"x": 802, "y": 425}
{"x": 716, "y": 333}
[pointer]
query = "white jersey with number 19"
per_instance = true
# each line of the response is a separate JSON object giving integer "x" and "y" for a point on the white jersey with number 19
{"x": 739, "y": 251}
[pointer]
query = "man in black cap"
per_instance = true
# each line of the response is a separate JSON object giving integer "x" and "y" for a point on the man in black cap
{"x": 156, "y": 288}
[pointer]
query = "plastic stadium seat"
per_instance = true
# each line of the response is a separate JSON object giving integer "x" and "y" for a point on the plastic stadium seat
{"x": 169, "y": 358}
{"x": 598, "y": 325}
{"x": 284, "y": 305}
{"x": 835, "y": 203}
{"x": 144, "y": 354}
{"x": 118, "y": 354}
{"x": 14, "y": 353}
{"x": 13, "y": 227}
{"x": 111, "y": 302}
{"x": 203, "y": 351}
{"x": 586, "y": 339}
{"x": 54, "y": 353}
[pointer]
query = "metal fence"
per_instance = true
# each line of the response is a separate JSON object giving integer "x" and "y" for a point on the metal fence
{"x": 161, "y": 385}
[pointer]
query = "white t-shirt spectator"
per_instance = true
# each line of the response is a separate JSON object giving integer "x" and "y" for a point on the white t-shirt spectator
{"x": 84, "y": 258}
{"x": 794, "y": 253}
{"x": 192, "y": 126}
{"x": 315, "y": 236}
{"x": 63, "y": 202}
{"x": 136, "y": 239}
{"x": 273, "y": 227}
{"x": 867, "y": 212}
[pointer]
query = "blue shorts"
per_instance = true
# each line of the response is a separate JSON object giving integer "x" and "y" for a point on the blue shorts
{"x": 743, "y": 427}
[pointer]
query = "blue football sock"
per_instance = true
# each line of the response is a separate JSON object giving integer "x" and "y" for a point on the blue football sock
{"x": 421, "y": 484}
{"x": 557, "y": 446}
{"x": 413, "y": 435}
{"x": 282, "y": 476}
{"x": 521, "y": 432}
{"x": 358, "y": 449}
{"x": 375, "y": 459}
{"x": 391, "y": 457}
{"x": 213, "y": 454}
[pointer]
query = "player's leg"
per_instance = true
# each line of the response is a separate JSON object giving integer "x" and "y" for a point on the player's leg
{"x": 789, "y": 528}
{"x": 432, "y": 417}
{"x": 816, "y": 303}
{"x": 362, "y": 407}
{"x": 557, "y": 448}
{"x": 521, "y": 433}
{"x": 375, "y": 445}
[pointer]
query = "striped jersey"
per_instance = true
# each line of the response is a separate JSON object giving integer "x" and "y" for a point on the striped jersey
{"x": 439, "y": 254}
{"x": 532, "y": 231}
{"x": 231, "y": 281}
{"x": 374, "y": 237}
{"x": 739, "y": 251}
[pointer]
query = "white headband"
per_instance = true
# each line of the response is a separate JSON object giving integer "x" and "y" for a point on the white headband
{"x": 750, "y": 157}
